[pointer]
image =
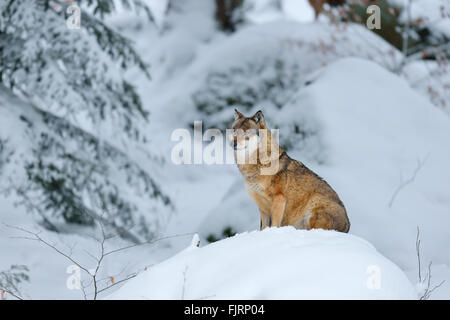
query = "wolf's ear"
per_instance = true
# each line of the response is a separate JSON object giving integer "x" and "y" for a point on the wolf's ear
{"x": 237, "y": 114}
{"x": 258, "y": 117}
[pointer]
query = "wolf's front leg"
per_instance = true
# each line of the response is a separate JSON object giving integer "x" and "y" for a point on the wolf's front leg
{"x": 265, "y": 220}
{"x": 278, "y": 207}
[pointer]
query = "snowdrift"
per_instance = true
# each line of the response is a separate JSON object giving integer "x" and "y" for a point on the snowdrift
{"x": 277, "y": 263}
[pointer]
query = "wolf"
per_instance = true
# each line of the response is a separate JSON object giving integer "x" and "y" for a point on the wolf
{"x": 290, "y": 195}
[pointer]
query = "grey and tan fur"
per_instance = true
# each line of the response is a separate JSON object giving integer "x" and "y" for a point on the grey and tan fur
{"x": 293, "y": 195}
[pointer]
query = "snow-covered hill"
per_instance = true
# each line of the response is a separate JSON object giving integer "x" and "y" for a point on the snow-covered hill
{"x": 277, "y": 263}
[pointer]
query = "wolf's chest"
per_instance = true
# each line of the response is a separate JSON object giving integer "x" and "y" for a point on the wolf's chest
{"x": 254, "y": 187}
{"x": 259, "y": 194}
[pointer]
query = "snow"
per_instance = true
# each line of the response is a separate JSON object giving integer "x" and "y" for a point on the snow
{"x": 263, "y": 11}
{"x": 277, "y": 263}
{"x": 435, "y": 16}
{"x": 158, "y": 9}
{"x": 372, "y": 127}
{"x": 299, "y": 10}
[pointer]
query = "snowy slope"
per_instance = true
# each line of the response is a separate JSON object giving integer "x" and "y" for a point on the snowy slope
{"x": 281, "y": 263}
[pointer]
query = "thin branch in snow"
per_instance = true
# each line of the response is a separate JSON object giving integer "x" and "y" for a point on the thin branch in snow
{"x": 11, "y": 279}
{"x": 418, "y": 253}
{"x": 93, "y": 274}
{"x": 428, "y": 289}
{"x": 420, "y": 164}
{"x": 35, "y": 236}
{"x": 3, "y": 293}
{"x": 118, "y": 282}
{"x": 184, "y": 283}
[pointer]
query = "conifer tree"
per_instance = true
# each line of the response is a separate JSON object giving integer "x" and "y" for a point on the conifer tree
{"x": 81, "y": 114}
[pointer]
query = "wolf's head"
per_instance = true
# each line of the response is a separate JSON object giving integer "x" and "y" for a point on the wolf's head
{"x": 246, "y": 129}
{"x": 254, "y": 144}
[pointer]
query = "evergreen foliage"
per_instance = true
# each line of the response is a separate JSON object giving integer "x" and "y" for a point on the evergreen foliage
{"x": 83, "y": 115}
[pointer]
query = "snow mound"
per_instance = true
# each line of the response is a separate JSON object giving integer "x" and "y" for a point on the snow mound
{"x": 277, "y": 263}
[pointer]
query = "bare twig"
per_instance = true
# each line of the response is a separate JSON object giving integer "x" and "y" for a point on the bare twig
{"x": 420, "y": 164}
{"x": 428, "y": 289}
{"x": 418, "y": 253}
{"x": 3, "y": 291}
{"x": 36, "y": 237}
{"x": 10, "y": 281}
{"x": 183, "y": 290}
{"x": 94, "y": 282}
{"x": 118, "y": 282}
{"x": 83, "y": 289}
